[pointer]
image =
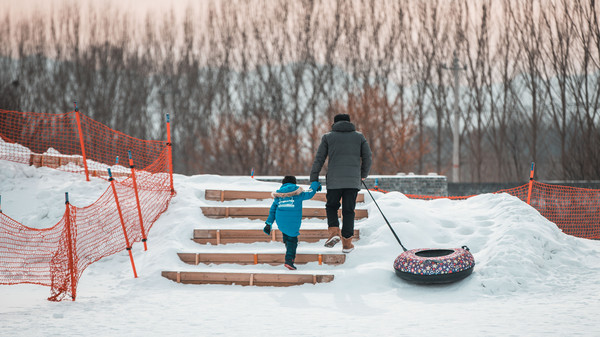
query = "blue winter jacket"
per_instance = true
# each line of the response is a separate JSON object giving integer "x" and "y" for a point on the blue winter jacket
{"x": 286, "y": 209}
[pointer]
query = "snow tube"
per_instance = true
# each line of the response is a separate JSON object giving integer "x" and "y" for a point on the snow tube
{"x": 427, "y": 266}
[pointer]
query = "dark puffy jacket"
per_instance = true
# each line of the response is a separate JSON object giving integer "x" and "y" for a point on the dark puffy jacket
{"x": 286, "y": 209}
{"x": 349, "y": 157}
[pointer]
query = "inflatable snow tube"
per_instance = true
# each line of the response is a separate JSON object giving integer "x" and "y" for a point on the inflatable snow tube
{"x": 428, "y": 266}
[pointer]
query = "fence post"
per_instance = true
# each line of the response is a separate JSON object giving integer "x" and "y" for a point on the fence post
{"x": 169, "y": 144}
{"x": 112, "y": 184}
{"x": 530, "y": 183}
{"x": 87, "y": 175}
{"x": 137, "y": 200}
{"x": 70, "y": 245}
{"x": 0, "y": 204}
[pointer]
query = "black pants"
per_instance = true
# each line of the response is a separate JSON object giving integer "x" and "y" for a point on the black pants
{"x": 291, "y": 243}
{"x": 348, "y": 198}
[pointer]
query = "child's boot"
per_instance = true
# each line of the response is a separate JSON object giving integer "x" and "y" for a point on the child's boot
{"x": 347, "y": 245}
{"x": 290, "y": 265}
{"x": 334, "y": 236}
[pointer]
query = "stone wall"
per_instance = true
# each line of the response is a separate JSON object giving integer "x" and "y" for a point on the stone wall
{"x": 466, "y": 189}
{"x": 436, "y": 185}
{"x": 431, "y": 184}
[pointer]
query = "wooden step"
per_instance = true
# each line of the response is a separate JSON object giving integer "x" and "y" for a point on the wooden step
{"x": 245, "y": 279}
{"x": 225, "y": 236}
{"x": 56, "y": 161}
{"x": 227, "y": 195}
{"x": 249, "y": 258}
{"x": 263, "y": 212}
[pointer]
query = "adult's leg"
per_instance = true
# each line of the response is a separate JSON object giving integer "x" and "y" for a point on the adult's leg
{"x": 333, "y": 224}
{"x": 332, "y": 206}
{"x": 348, "y": 206}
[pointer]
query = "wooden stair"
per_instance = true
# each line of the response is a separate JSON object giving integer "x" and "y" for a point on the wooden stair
{"x": 256, "y": 258}
{"x": 225, "y": 195}
{"x": 225, "y": 236}
{"x": 246, "y": 279}
{"x": 262, "y": 213}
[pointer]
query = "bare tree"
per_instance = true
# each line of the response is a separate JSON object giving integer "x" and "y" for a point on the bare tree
{"x": 391, "y": 137}
{"x": 558, "y": 69}
{"x": 531, "y": 94}
{"x": 422, "y": 59}
{"x": 528, "y": 33}
{"x": 479, "y": 84}
{"x": 584, "y": 158}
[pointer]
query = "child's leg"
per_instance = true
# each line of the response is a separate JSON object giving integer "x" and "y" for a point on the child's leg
{"x": 291, "y": 243}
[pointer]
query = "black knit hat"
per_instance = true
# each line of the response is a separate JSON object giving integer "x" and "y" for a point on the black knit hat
{"x": 289, "y": 180}
{"x": 341, "y": 117}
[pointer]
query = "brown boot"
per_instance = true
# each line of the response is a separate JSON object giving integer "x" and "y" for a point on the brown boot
{"x": 347, "y": 245}
{"x": 334, "y": 236}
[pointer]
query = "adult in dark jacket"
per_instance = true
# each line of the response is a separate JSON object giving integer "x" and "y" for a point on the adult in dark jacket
{"x": 349, "y": 162}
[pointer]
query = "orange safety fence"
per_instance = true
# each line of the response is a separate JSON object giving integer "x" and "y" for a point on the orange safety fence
{"x": 57, "y": 256}
{"x": 576, "y": 211}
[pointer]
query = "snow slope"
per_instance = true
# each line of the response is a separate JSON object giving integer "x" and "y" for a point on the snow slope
{"x": 530, "y": 279}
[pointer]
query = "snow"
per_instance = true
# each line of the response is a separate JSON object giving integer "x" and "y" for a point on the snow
{"x": 530, "y": 279}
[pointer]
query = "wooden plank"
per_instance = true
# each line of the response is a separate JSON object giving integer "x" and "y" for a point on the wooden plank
{"x": 56, "y": 161}
{"x": 212, "y": 195}
{"x": 227, "y": 195}
{"x": 251, "y": 233}
{"x": 35, "y": 159}
{"x": 188, "y": 258}
{"x": 50, "y": 161}
{"x": 256, "y": 279}
{"x": 255, "y": 258}
{"x": 237, "y": 195}
{"x": 228, "y": 241}
{"x": 104, "y": 173}
{"x": 263, "y": 212}
{"x": 360, "y": 214}
{"x": 205, "y": 236}
{"x": 286, "y": 280}
{"x": 248, "y": 211}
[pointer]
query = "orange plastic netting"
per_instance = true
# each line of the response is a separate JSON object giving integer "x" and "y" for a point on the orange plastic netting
{"x": 576, "y": 211}
{"x": 57, "y": 256}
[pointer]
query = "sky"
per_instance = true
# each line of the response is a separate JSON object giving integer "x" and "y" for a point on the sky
{"x": 530, "y": 279}
{"x": 139, "y": 8}
{"x": 24, "y": 6}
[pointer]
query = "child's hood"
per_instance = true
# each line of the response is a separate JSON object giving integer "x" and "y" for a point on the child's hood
{"x": 287, "y": 190}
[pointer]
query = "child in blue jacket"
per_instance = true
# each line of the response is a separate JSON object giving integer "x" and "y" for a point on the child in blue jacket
{"x": 286, "y": 210}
